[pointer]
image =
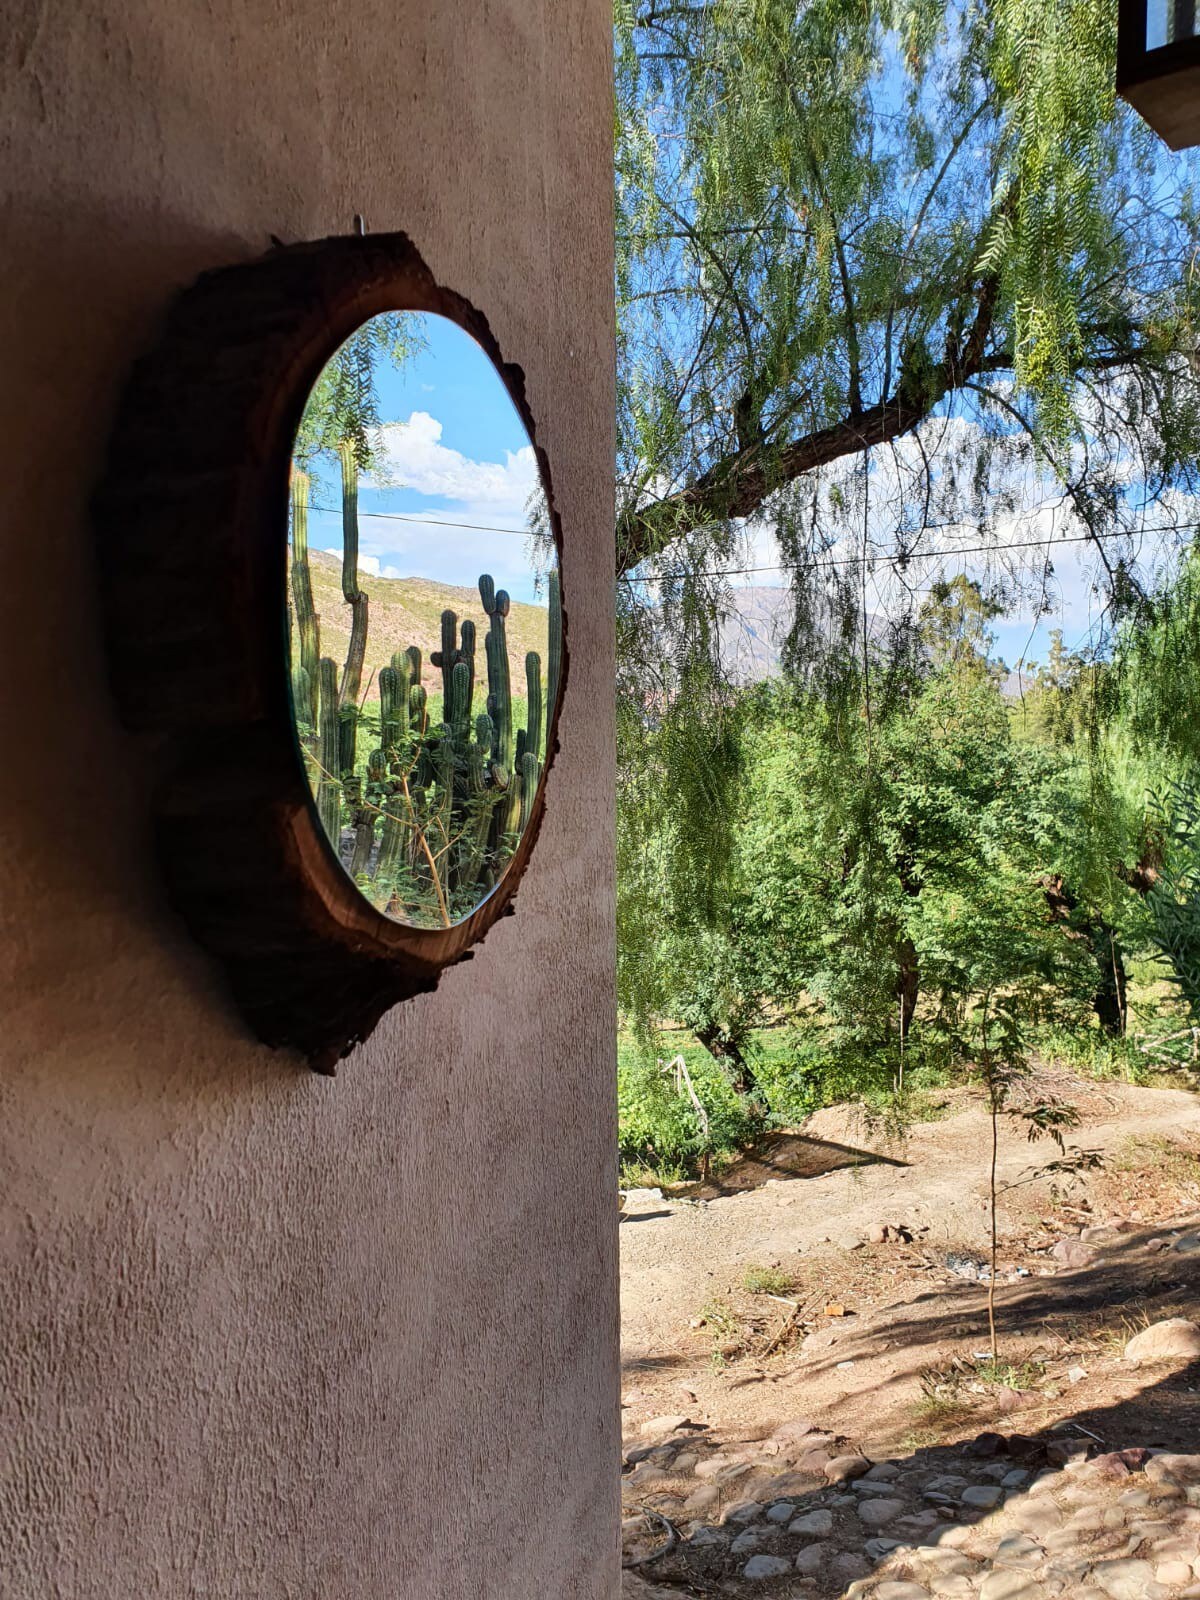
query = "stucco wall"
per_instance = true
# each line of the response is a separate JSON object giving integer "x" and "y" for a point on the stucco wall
{"x": 261, "y": 1333}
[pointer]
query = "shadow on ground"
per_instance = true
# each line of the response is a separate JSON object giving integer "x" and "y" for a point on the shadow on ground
{"x": 784, "y": 1155}
{"x": 729, "y": 1496}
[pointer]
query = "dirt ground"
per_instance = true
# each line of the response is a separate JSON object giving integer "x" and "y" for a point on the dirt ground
{"x": 882, "y": 1342}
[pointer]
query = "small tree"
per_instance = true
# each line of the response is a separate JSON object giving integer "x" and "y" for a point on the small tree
{"x": 1005, "y": 970}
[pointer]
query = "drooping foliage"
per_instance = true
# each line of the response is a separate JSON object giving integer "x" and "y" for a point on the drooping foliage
{"x": 838, "y": 220}
{"x": 898, "y": 284}
{"x": 343, "y": 406}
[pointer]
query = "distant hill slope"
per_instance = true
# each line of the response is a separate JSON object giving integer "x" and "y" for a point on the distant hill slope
{"x": 404, "y": 611}
{"x": 754, "y": 630}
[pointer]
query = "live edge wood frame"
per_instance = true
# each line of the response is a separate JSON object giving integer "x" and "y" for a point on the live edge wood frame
{"x": 192, "y": 521}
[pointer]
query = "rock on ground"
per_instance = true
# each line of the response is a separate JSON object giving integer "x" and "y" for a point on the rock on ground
{"x": 1173, "y": 1340}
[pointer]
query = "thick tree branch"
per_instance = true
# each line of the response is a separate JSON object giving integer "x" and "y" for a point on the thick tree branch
{"x": 738, "y": 484}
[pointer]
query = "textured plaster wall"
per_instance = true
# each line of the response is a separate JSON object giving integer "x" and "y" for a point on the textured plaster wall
{"x": 261, "y": 1333}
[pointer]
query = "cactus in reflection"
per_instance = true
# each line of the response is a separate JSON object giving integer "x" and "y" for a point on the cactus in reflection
{"x": 533, "y": 699}
{"x": 478, "y": 774}
{"x": 351, "y": 680}
{"x": 329, "y": 788}
{"x": 427, "y": 817}
{"x": 306, "y": 625}
{"x": 553, "y": 651}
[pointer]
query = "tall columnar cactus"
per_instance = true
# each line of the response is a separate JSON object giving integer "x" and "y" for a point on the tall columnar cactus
{"x": 437, "y": 809}
{"x": 306, "y": 653}
{"x": 531, "y": 773}
{"x": 533, "y": 694}
{"x": 363, "y": 814}
{"x": 393, "y": 709}
{"x": 329, "y": 789}
{"x": 458, "y": 687}
{"x": 553, "y": 652}
{"x": 351, "y": 682}
{"x": 457, "y": 706}
{"x": 499, "y": 701}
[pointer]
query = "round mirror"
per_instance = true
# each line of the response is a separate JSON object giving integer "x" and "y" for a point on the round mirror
{"x": 424, "y": 616}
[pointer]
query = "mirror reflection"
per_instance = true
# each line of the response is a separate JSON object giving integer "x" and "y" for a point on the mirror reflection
{"x": 424, "y": 616}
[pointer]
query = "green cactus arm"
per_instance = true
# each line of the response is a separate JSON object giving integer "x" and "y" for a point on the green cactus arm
{"x": 447, "y": 657}
{"x": 329, "y": 789}
{"x": 533, "y": 694}
{"x": 302, "y": 697}
{"x": 499, "y": 702}
{"x": 467, "y": 654}
{"x": 393, "y": 703}
{"x": 553, "y": 651}
{"x": 356, "y": 599}
{"x": 308, "y": 623}
{"x": 457, "y": 709}
{"x": 531, "y": 776}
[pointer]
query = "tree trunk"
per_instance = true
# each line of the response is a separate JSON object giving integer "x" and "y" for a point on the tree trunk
{"x": 723, "y": 1047}
{"x": 908, "y": 983}
{"x": 1108, "y": 998}
{"x": 1108, "y": 1002}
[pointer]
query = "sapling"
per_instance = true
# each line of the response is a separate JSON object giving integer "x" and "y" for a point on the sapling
{"x": 1001, "y": 1060}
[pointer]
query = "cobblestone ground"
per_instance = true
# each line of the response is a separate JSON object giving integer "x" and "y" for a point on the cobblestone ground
{"x": 996, "y": 1518}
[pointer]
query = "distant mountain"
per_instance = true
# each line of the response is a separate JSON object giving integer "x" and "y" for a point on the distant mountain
{"x": 755, "y": 628}
{"x": 404, "y": 611}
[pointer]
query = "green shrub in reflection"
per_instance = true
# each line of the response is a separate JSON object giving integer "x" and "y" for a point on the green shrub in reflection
{"x": 424, "y": 813}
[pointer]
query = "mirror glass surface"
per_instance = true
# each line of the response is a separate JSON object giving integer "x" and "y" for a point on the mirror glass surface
{"x": 1170, "y": 21}
{"x": 424, "y": 616}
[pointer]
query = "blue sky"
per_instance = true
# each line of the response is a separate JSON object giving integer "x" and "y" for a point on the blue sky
{"x": 453, "y": 451}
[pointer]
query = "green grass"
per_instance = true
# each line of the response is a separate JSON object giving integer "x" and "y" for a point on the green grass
{"x": 1010, "y": 1375}
{"x": 797, "y": 1069}
{"x": 725, "y": 1329}
{"x": 767, "y": 1280}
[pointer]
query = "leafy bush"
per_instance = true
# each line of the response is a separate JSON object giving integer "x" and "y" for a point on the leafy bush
{"x": 659, "y": 1128}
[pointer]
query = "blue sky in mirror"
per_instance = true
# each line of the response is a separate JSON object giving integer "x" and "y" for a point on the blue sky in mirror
{"x": 453, "y": 451}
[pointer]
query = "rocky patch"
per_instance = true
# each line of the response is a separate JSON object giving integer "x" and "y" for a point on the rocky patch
{"x": 999, "y": 1518}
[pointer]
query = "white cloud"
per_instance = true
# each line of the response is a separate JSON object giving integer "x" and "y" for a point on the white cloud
{"x": 368, "y": 564}
{"x": 414, "y": 457}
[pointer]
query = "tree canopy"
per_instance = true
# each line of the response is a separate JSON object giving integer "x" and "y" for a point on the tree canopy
{"x": 840, "y": 221}
{"x": 906, "y": 302}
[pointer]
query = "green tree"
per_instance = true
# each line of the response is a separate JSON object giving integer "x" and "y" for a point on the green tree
{"x": 840, "y": 221}
{"x": 884, "y": 271}
{"x": 343, "y": 407}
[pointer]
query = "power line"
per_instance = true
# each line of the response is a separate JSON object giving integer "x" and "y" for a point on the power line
{"x": 428, "y": 522}
{"x": 908, "y": 556}
{"x": 782, "y": 566}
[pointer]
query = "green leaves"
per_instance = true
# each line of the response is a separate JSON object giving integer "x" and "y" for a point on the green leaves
{"x": 840, "y": 210}
{"x": 343, "y": 405}
{"x": 1174, "y": 900}
{"x": 1054, "y": 69}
